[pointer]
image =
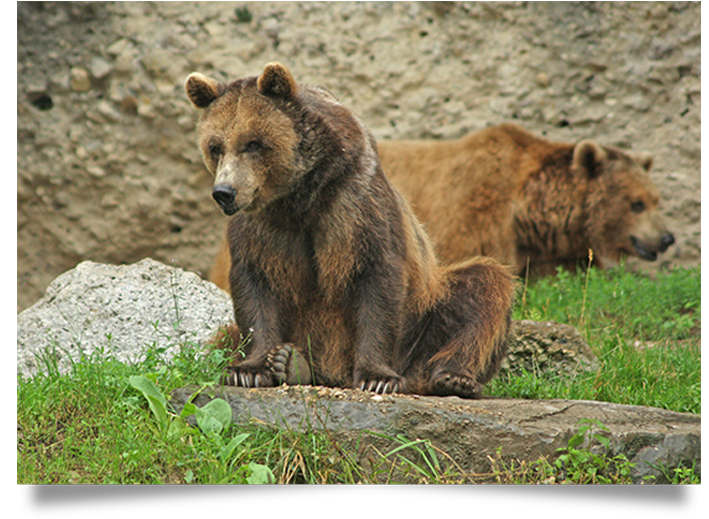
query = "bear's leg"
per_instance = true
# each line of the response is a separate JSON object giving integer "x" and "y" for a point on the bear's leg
{"x": 464, "y": 339}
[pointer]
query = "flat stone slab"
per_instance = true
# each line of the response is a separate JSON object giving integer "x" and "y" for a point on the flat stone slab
{"x": 471, "y": 431}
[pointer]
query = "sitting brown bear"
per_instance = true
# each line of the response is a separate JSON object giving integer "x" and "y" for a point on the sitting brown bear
{"x": 328, "y": 263}
{"x": 529, "y": 202}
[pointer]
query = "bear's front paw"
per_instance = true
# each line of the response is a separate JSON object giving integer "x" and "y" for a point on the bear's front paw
{"x": 288, "y": 365}
{"x": 245, "y": 375}
{"x": 381, "y": 384}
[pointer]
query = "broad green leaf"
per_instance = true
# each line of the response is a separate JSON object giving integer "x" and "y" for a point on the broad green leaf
{"x": 188, "y": 410}
{"x": 158, "y": 409}
{"x": 220, "y": 410}
{"x": 207, "y": 423}
{"x": 214, "y": 416}
{"x": 147, "y": 387}
{"x": 576, "y": 440}
{"x": 177, "y": 426}
{"x": 156, "y": 400}
{"x": 260, "y": 475}
{"x": 228, "y": 450}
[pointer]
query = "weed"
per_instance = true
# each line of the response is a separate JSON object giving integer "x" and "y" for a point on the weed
{"x": 243, "y": 15}
{"x": 213, "y": 419}
{"x": 573, "y": 465}
{"x": 585, "y": 288}
{"x": 683, "y": 476}
{"x": 584, "y": 466}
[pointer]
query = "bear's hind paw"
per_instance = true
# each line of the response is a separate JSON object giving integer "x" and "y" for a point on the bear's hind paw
{"x": 449, "y": 384}
{"x": 288, "y": 365}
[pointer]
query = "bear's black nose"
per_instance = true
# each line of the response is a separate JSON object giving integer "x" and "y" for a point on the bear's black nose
{"x": 666, "y": 240}
{"x": 224, "y": 194}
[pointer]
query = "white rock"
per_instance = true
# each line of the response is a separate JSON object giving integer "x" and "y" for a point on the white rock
{"x": 120, "y": 309}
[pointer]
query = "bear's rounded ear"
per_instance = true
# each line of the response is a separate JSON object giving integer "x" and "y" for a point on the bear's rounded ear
{"x": 645, "y": 160}
{"x": 589, "y": 157}
{"x": 277, "y": 81}
{"x": 202, "y": 90}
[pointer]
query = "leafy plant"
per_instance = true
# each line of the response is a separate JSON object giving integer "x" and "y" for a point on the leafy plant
{"x": 684, "y": 476}
{"x": 213, "y": 418}
{"x": 584, "y": 466}
{"x": 243, "y": 15}
{"x": 574, "y": 464}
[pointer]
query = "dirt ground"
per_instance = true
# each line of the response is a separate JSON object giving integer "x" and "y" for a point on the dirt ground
{"x": 107, "y": 164}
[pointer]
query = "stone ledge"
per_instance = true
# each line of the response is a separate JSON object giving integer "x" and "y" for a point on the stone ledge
{"x": 471, "y": 430}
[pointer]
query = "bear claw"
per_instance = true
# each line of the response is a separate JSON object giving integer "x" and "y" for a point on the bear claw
{"x": 245, "y": 379}
{"x": 380, "y": 387}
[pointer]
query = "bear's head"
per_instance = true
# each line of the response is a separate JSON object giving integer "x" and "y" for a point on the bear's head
{"x": 621, "y": 204}
{"x": 252, "y": 133}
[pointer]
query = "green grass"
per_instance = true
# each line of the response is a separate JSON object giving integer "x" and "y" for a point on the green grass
{"x": 109, "y": 422}
{"x": 617, "y": 301}
{"x": 645, "y": 333}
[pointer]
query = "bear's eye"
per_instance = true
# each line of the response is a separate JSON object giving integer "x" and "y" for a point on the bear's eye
{"x": 215, "y": 151}
{"x": 637, "y": 207}
{"x": 253, "y": 146}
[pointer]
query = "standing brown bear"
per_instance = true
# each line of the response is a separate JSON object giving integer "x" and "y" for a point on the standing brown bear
{"x": 328, "y": 263}
{"x": 529, "y": 202}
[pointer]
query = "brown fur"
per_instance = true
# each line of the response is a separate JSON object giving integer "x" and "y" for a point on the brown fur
{"x": 327, "y": 256}
{"x": 529, "y": 202}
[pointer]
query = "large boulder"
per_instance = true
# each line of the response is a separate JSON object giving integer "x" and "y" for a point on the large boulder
{"x": 122, "y": 309}
{"x": 547, "y": 347}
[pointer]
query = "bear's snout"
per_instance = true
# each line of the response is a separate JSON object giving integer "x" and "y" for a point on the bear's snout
{"x": 648, "y": 250}
{"x": 224, "y": 194}
{"x": 666, "y": 240}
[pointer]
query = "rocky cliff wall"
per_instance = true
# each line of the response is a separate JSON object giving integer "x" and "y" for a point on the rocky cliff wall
{"x": 108, "y": 168}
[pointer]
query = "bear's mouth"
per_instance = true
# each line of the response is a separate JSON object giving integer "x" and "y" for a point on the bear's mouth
{"x": 642, "y": 251}
{"x": 229, "y": 209}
